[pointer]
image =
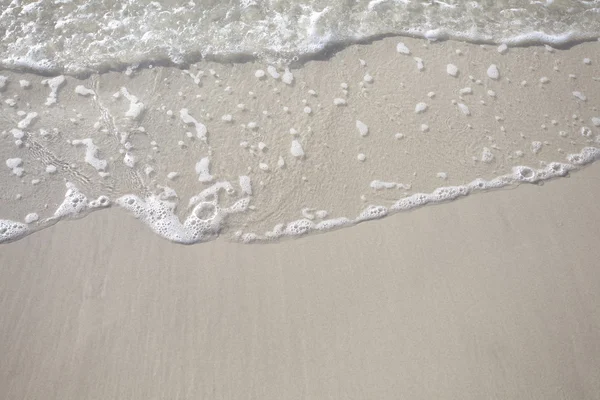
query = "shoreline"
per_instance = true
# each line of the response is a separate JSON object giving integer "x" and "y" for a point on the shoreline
{"x": 490, "y": 296}
{"x": 367, "y": 127}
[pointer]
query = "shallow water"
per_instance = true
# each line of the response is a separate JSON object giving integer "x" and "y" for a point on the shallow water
{"x": 257, "y": 153}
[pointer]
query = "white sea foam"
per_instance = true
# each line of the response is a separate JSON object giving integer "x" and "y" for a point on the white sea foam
{"x": 78, "y": 38}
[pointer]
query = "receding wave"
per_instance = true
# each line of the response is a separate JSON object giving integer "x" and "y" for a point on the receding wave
{"x": 79, "y": 37}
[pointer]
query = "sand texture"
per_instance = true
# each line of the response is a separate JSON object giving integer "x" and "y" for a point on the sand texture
{"x": 491, "y": 297}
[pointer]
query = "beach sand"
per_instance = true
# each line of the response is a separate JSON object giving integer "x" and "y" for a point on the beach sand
{"x": 493, "y": 296}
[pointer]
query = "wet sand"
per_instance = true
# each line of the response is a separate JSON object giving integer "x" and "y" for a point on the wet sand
{"x": 492, "y": 296}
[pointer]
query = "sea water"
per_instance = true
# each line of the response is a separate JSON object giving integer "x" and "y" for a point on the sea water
{"x": 208, "y": 119}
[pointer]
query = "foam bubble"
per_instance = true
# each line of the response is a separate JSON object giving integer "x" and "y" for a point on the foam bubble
{"x": 452, "y": 70}
{"x": 11, "y": 230}
{"x": 287, "y": 77}
{"x": 296, "y": 149}
{"x": 402, "y": 49}
{"x": 363, "y": 129}
{"x": 420, "y": 108}
{"x": 73, "y": 205}
{"x": 91, "y": 154}
{"x": 378, "y": 185}
{"x": 420, "y": 64}
{"x": 202, "y": 169}
{"x": 187, "y": 119}
{"x": 83, "y": 91}
{"x": 136, "y": 108}
{"x": 246, "y": 185}
{"x": 31, "y": 218}
{"x": 15, "y": 165}
{"x": 54, "y": 84}
{"x": 3, "y": 82}
{"x": 25, "y": 122}
{"x": 273, "y": 72}
{"x": 464, "y": 109}
{"x": 487, "y": 156}
{"x": 372, "y": 212}
{"x": 493, "y": 72}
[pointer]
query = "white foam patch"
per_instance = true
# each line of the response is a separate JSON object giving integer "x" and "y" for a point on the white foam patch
{"x": 203, "y": 170}
{"x": 536, "y": 146}
{"x": 91, "y": 154}
{"x": 25, "y": 84}
{"x": 11, "y": 230}
{"x": 452, "y": 70}
{"x": 402, "y": 49}
{"x": 363, "y": 129}
{"x": 187, "y": 119}
{"x": 296, "y": 149}
{"x": 493, "y": 72}
{"x": 299, "y": 227}
{"x": 519, "y": 174}
{"x": 15, "y": 165}
{"x": 31, "y": 218}
{"x": 379, "y": 185}
{"x": 287, "y": 77}
{"x": 136, "y": 108}
{"x": 246, "y": 185}
{"x": 502, "y": 49}
{"x": 203, "y": 223}
{"x": 271, "y": 70}
{"x": 25, "y": 122}
{"x": 420, "y": 64}
{"x": 420, "y": 108}
{"x": 54, "y": 84}
{"x": 464, "y": 109}
{"x": 596, "y": 121}
{"x": 73, "y": 205}
{"x": 129, "y": 160}
{"x": 83, "y": 91}
{"x": 372, "y": 212}
{"x": 3, "y": 82}
{"x": 487, "y": 156}
{"x": 338, "y": 101}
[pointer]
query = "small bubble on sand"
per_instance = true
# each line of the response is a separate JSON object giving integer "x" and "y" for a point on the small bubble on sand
{"x": 487, "y": 156}
{"x": 402, "y": 49}
{"x": 363, "y": 129}
{"x": 464, "y": 109}
{"x": 536, "y": 147}
{"x": 493, "y": 72}
{"x": 287, "y": 77}
{"x": 503, "y": 48}
{"x": 420, "y": 108}
{"x": 452, "y": 70}
{"x": 361, "y": 157}
{"x": 273, "y": 72}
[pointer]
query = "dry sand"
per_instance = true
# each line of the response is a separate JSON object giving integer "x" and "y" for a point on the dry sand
{"x": 491, "y": 297}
